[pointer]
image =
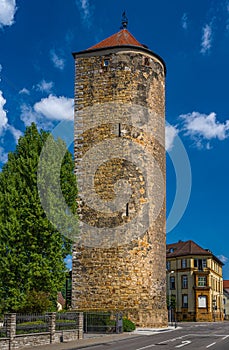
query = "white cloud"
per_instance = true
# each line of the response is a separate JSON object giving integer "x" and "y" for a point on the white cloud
{"x": 27, "y": 115}
{"x": 170, "y": 134}
{"x": 204, "y": 127}
{"x": 3, "y": 155}
{"x": 206, "y": 42}
{"x": 3, "y": 116}
{"x": 55, "y": 108}
{"x": 4, "y": 124}
{"x": 15, "y": 132}
{"x": 7, "y": 12}
{"x": 57, "y": 61}
{"x": 45, "y": 86}
{"x": 24, "y": 91}
{"x": 85, "y": 11}
{"x": 48, "y": 110}
{"x": 184, "y": 21}
{"x": 223, "y": 258}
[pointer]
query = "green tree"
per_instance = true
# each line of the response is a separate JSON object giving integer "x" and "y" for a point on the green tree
{"x": 32, "y": 250}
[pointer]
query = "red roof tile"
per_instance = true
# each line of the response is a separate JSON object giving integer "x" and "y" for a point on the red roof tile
{"x": 226, "y": 284}
{"x": 123, "y": 37}
{"x": 60, "y": 299}
{"x": 187, "y": 248}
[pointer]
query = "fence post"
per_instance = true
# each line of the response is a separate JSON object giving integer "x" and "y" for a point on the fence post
{"x": 10, "y": 328}
{"x": 79, "y": 324}
{"x": 52, "y": 326}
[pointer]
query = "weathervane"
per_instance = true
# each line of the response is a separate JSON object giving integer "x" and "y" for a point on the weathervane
{"x": 124, "y": 21}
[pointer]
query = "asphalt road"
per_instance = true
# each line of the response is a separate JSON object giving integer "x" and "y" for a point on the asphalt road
{"x": 190, "y": 336}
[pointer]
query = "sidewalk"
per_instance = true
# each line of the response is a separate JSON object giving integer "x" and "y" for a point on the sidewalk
{"x": 95, "y": 339}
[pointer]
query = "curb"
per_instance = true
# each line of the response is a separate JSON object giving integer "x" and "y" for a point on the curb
{"x": 102, "y": 339}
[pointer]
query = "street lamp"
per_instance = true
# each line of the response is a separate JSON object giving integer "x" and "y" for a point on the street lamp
{"x": 169, "y": 286}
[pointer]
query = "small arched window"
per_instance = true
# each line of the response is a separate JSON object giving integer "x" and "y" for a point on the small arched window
{"x": 146, "y": 61}
{"x": 105, "y": 63}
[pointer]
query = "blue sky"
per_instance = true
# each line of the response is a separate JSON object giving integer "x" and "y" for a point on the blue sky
{"x": 37, "y": 82}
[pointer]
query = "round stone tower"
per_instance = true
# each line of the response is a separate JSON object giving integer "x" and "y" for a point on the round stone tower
{"x": 120, "y": 256}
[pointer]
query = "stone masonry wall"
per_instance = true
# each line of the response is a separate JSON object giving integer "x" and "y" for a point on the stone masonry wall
{"x": 15, "y": 341}
{"x": 119, "y": 259}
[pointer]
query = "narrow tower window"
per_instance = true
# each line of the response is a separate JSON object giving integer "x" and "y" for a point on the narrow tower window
{"x": 119, "y": 130}
{"x": 127, "y": 209}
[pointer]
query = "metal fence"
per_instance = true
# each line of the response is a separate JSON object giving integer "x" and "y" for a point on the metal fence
{"x": 98, "y": 322}
{"x": 32, "y": 323}
{"x": 32, "y": 329}
{"x": 66, "y": 321}
{"x": 93, "y": 322}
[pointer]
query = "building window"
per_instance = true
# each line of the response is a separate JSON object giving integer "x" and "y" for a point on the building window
{"x": 200, "y": 263}
{"x": 168, "y": 265}
{"x": 171, "y": 250}
{"x": 184, "y": 300}
{"x": 184, "y": 263}
{"x": 202, "y": 301}
{"x": 202, "y": 282}
{"x": 172, "y": 283}
{"x": 184, "y": 281}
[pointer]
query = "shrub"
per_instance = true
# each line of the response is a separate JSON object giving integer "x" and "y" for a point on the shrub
{"x": 35, "y": 302}
{"x": 128, "y": 325}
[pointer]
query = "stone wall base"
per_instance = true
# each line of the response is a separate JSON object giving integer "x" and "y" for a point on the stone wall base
{"x": 33, "y": 340}
{"x": 198, "y": 317}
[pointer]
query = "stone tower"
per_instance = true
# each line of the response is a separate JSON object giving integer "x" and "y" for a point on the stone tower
{"x": 119, "y": 258}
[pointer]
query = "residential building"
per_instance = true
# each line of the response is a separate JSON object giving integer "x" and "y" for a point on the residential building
{"x": 194, "y": 282}
{"x": 226, "y": 299}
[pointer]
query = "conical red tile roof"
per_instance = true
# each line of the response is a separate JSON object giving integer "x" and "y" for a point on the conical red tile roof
{"x": 123, "y": 37}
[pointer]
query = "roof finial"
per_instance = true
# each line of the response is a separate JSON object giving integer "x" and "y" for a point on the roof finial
{"x": 124, "y": 21}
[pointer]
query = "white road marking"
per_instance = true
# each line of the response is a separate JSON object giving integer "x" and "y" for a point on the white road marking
{"x": 186, "y": 342}
{"x": 173, "y": 339}
{"x": 225, "y": 337}
{"x": 146, "y": 347}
